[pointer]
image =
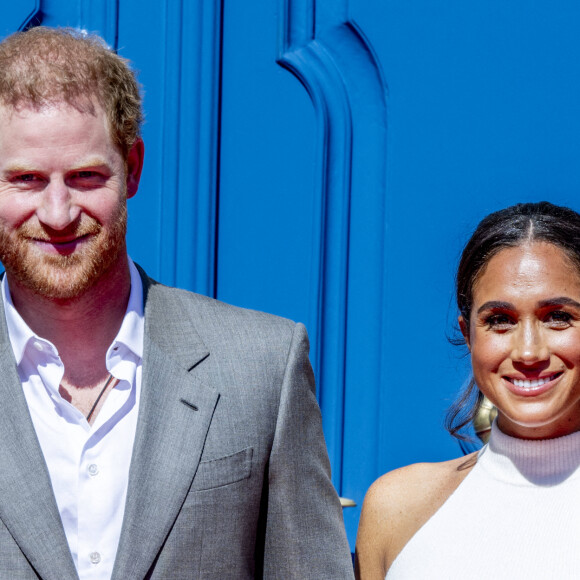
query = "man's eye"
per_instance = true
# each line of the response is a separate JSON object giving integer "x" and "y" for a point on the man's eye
{"x": 25, "y": 178}
{"x": 87, "y": 178}
{"x": 499, "y": 322}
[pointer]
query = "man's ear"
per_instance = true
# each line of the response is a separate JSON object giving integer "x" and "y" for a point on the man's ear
{"x": 464, "y": 327}
{"x": 134, "y": 166}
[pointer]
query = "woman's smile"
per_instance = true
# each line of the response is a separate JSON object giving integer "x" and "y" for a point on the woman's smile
{"x": 533, "y": 387}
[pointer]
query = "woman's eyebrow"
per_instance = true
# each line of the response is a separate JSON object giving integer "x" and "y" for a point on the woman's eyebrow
{"x": 495, "y": 304}
{"x": 559, "y": 301}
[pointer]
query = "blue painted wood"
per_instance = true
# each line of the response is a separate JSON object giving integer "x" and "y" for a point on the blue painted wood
{"x": 482, "y": 113}
{"x": 365, "y": 361}
{"x": 59, "y": 13}
{"x": 199, "y": 146}
{"x": 319, "y": 75}
{"x": 267, "y": 255}
{"x": 102, "y": 17}
{"x": 171, "y": 162}
{"x": 178, "y": 198}
{"x": 142, "y": 41}
{"x": 18, "y": 15}
{"x": 339, "y": 71}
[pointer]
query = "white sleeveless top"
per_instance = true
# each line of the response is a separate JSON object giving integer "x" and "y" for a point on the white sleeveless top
{"x": 515, "y": 516}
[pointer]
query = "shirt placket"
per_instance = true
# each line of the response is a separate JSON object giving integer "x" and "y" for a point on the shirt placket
{"x": 92, "y": 553}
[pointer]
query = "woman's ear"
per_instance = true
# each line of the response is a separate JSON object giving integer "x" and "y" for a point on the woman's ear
{"x": 464, "y": 327}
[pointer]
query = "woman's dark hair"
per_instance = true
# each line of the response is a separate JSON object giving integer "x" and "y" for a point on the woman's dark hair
{"x": 509, "y": 227}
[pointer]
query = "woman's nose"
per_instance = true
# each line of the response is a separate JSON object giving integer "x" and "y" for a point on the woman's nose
{"x": 530, "y": 345}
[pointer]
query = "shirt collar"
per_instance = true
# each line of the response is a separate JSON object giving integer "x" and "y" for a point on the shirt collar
{"x": 130, "y": 334}
{"x": 132, "y": 329}
{"x": 18, "y": 331}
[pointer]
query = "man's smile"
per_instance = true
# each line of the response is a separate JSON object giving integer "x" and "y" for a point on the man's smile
{"x": 61, "y": 246}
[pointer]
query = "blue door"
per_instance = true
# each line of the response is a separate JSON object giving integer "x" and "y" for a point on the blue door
{"x": 325, "y": 160}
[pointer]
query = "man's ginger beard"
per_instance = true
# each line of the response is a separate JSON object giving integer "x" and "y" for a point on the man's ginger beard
{"x": 57, "y": 276}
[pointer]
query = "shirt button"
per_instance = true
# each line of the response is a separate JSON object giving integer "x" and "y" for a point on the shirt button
{"x": 38, "y": 346}
{"x": 95, "y": 557}
{"x": 93, "y": 470}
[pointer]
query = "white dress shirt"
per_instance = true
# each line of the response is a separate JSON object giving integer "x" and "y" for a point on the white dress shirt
{"x": 88, "y": 464}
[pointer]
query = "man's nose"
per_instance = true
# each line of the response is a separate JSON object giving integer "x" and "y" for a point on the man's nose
{"x": 57, "y": 209}
{"x": 529, "y": 344}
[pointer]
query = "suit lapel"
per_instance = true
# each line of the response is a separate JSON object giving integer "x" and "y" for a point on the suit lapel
{"x": 27, "y": 505}
{"x": 174, "y": 416}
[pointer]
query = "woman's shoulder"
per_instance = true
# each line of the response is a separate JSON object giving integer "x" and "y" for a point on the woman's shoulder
{"x": 398, "y": 504}
{"x": 419, "y": 483}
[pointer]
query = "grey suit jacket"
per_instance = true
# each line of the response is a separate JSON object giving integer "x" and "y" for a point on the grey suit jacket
{"x": 229, "y": 476}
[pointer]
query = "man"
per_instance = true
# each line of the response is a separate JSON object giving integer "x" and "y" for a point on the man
{"x": 145, "y": 432}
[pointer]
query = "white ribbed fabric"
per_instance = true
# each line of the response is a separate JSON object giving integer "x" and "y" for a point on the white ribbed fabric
{"x": 515, "y": 516}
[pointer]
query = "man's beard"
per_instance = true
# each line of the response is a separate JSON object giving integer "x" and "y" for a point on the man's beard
{"x": 58, "y": 276}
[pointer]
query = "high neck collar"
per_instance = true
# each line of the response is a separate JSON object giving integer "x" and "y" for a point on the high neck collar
{"x": 524, "y": 461}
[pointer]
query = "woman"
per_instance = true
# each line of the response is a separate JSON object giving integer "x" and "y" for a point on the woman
{"x": 513, "y": 509}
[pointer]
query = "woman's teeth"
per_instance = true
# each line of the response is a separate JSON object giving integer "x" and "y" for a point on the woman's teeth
{"x": 524, "y": 384}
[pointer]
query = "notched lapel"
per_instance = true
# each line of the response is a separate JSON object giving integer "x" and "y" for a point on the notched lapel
{"x": 175, "y": 413}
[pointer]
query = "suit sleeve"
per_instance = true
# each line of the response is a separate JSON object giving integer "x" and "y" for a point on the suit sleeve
{"x": 304, "y": 532}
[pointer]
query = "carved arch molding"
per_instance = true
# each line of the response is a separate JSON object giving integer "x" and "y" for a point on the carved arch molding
{"x": 329, "y": 55}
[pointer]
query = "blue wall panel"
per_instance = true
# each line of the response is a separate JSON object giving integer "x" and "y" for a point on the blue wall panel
{"x": 482, "y": 114}
{"x": 17, "y": 16}
{"x": 176, "y": 46}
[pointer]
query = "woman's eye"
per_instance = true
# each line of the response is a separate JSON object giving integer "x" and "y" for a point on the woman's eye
{"x": 499, "y": 322}
{"x": 559, "y": 318}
